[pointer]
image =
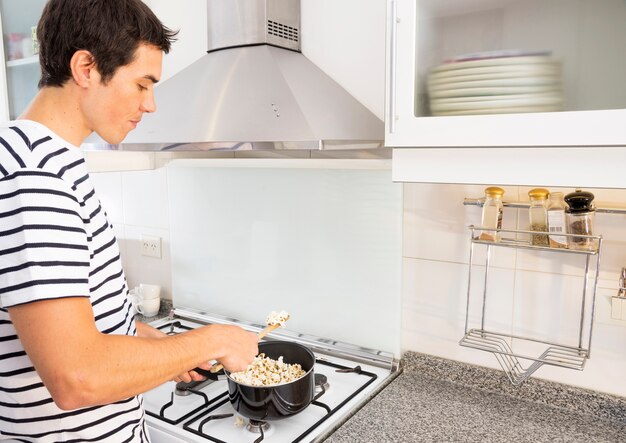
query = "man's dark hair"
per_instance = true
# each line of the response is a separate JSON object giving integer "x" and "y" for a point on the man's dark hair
{"x": 111, "y": 30}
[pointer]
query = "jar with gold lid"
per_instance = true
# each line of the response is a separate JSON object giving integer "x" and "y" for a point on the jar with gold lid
{"x": 538, "y": 216}
{"x": 492, "y": 214}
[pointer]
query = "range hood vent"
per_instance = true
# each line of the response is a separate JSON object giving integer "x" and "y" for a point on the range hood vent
{"x": 254, "y": 90}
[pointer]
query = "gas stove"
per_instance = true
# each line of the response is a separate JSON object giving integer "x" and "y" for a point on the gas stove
{"x": 346, "y": 377}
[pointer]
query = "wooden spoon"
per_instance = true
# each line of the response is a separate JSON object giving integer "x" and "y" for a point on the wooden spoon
{"x": 269, "y": 328}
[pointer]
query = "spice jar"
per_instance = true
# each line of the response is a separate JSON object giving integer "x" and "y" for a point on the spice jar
{"x": 492, "y": 214}
{"x": 556, "y": 221}
{"x": 580, "y": 217}
{"x": 538, "y": 216}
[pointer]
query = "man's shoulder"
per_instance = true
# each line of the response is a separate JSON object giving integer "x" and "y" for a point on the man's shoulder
{"x": 24, "y": 132}
{"x": 29, "y": 145}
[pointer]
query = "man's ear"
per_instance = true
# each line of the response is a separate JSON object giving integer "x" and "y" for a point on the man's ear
{"x": 83, "y": 68}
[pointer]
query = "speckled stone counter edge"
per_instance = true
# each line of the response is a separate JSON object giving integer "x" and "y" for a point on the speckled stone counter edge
{"x": 323, "y": 436}
{"x": 164, "y": 310}
{"x": 572, "y": 398}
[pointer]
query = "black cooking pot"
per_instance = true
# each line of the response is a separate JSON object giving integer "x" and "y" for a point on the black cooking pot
{"x": 264, "y": 403}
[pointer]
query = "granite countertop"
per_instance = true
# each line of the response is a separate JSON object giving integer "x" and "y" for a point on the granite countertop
{"x": 437, "y": 400}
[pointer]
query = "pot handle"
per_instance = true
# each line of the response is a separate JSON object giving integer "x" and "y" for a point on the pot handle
{"x": 209, "y": 374}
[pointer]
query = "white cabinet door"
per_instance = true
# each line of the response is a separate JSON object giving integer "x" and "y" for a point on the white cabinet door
{"x": 585, "y": 39}
{"x": 4, "y": 93}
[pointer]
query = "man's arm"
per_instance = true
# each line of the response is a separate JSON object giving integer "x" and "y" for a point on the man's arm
{"x": 82, "y": 367}
{"x": 147, "y": 331}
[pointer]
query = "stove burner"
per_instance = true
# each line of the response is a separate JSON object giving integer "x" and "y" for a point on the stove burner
{"x": 321, "y": 383}
{"x": 258, "y": 427}
{"x": 182, "y": 388}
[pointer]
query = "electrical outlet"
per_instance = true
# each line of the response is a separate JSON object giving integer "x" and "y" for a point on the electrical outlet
{"x": 151, "y": 246}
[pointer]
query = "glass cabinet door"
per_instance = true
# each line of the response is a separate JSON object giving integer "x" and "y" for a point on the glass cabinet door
{"x": 519, "y": 56}
{"x": 506, "y": 73}
{"x": 19, "y": 21}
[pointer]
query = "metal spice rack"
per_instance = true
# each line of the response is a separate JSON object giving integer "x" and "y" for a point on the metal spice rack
{"x": 500, "y": 344}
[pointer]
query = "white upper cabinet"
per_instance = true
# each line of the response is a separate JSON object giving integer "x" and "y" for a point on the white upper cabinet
{"x": 19, "y": 73}
{"x": 558, "y": 78}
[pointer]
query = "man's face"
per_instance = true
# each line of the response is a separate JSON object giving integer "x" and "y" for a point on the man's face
{"x": 115, "y": 108}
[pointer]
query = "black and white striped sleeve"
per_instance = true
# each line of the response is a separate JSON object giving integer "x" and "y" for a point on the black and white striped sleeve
{"x": 44, "y": 251}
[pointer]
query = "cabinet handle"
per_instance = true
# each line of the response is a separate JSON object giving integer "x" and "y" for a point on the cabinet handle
{"x": 393, "y": 47}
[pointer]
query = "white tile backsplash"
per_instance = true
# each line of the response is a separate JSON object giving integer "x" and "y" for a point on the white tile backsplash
{"x": 108, "y": 188}
{"x": 548, "y": 307}
{"x": 145, "y": 198}
{"x": 537, "y": 294}
{"x": 136, "y": 204}
{"x": 436, "y": 224}
{"x": 142, "y": 269}
{"x": 115, "y": 161}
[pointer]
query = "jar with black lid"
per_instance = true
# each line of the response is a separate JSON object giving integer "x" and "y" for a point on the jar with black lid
{"x": 580, "y": 219}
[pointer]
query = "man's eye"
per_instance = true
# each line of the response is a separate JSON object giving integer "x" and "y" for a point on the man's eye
{"x": 142, "y": 88}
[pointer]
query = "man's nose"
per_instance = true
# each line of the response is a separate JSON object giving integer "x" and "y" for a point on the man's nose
{"x": 149, "y": 104}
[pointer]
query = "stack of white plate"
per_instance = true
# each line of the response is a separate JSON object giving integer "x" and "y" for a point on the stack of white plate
{"x": 496, "y": 85}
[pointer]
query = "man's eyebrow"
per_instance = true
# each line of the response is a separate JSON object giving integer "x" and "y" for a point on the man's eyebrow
{"x": 152, "y": 78}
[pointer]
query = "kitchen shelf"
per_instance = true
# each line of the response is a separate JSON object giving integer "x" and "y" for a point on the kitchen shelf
{"x": 526, "y": 205}
{"x": 496, "y": 343}
{"x": 501, "y": 344}
{"x": 23, "y": 61}
{"x": 525, "y": 244}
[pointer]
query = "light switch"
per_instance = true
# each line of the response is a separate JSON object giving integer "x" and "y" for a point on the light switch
{"x": 617, "y": 311}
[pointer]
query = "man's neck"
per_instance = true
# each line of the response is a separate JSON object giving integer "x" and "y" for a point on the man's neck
{"x": 57, "y": 109}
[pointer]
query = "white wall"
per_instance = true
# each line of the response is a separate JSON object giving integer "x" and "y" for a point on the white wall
{"x": 136, "y": 204}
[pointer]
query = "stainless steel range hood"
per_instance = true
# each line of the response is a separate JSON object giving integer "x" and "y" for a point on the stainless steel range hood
{"x": 254, "y": 90}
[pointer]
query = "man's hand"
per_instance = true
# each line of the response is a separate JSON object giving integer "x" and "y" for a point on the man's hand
{"x": 235, "y": 347}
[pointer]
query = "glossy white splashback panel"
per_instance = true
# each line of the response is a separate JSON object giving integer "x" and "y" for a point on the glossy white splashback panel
{"x": 321, "y": 239}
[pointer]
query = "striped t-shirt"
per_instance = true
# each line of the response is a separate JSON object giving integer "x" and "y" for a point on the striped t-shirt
{"x": 55, "y": 242}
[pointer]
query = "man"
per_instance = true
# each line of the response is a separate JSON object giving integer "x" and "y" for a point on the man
{"x": 72, "y": 359}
